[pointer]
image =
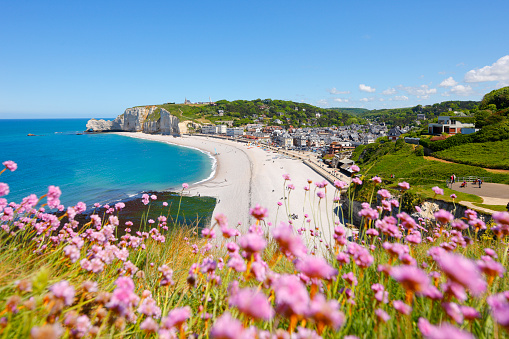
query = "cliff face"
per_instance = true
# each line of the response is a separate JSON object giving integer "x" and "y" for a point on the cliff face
{"x": 138, "y": 119}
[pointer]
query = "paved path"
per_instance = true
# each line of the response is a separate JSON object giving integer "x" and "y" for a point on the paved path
{"x": 491, "y": 190}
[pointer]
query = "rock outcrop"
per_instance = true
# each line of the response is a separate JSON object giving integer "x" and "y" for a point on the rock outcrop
{"x": 149, "y": 119}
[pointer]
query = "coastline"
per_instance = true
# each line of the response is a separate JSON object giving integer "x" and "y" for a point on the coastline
{"x": 248, "y": 175}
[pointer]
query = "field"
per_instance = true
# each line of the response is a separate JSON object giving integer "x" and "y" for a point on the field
{"x": 489, "y": 154}
{"x": 398, "y": 278}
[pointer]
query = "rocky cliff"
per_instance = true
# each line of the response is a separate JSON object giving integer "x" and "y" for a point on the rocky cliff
{"x": 150, "y": 119}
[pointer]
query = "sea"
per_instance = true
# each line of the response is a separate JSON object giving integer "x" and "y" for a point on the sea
{"x": 92, "y": 168}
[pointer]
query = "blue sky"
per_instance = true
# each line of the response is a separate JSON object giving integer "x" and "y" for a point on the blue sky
{"x": 96, "y": 58}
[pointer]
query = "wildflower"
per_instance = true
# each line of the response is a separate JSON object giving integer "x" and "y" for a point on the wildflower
{"x": 404, "y": 185}
{"x": 63, "y": 291}
{"x": 23, "y": 285}
{"x": 490, "y": 252}
{"x": 320, "y": 194}
{"x": 149, "y": 308}
{"x": 401, "y": 307}
{"x": 469, "y": 313}
{"x": 326, "y": 312}
{"x": 208, "y": 233}
{"x": 72, "y": 252}
{"x": 4, "y": 189}
{"x": 315, "y": 267}
{"x": 123, "y": 297}
{"x": 382, "y": 315}
{"x": 167, "y": 275}
{"x": 279, "y": 203}
{"x": 357, "y": 181}
{"x": 291, "y": 186}
{"x": 453, "y": 311}
{"x": 340, "y": 184}
{"x": 292, "y": 297}
{"x": 237, "y": 263}
{"x": 438, "y": 190}
{"x": 165, "y": 204}
{"x": 443, "y": 216}
{"x": 185, "y": 186}
{"x": 89, "y": 286}
{"x": 259, "y": 212}
{"x": 462, "y": 271}
{"x": 53, "y": 196}
{"x": 252, "y": 243}
{"x": 176, "y": 317}
{"x": 411, "y": 277}
{"x": 453, "y": 196}
{"x": 355, "y": 168}
{"x": 380, "y": 294}
{"x": 252, "y": 303}
{"x": 368, "y": 212}
{"x": 407, "y": 221}
{"x": 226, "y": 327}
{"x": 376, "y": 180}
{"x": 10, "y": 165}
{"x": 385, "y": 194}
{"x": 443, "y": 331}
{"x": 153, "y": 197}
{"x": 149, "y": 325}
{"x": 501, "y": 218}
{"x": 288, "y": 242}
{"x": 491, "y": 268}
{"x": 145, "y": 199}
{"x": 350, "y": 278}
{"x": 49, "y": 331}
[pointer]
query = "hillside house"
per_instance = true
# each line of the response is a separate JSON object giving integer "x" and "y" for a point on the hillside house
{"x": 394, "y": 133}
{"x": 447, "y": 125}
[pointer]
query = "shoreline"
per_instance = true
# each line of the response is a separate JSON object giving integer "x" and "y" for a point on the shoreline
{"x": 249, "y": 175}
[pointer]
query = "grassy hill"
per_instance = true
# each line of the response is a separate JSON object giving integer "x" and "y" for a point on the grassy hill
{"x": 488, "y": 154}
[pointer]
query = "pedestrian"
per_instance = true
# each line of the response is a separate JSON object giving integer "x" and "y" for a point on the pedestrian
{"x": 453, "y": 178}
{"x": 480, "y": 182}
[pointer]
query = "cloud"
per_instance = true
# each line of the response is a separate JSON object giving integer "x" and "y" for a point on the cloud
{"x": 400, "y": 98}
{"x": 365, "y": 88}
{"x": 442, "y": 72}
{"x": 341, "y": 100}
{"x": 389, "y": 91}
{"x": 333, "y": 90}
{"x": 462, "y": 90}
{"x": 499, "y": 71}
{"x": 367, "y": 99}
{"x": 322, "y": 102}
{"x": 449, "y": 82}
{"x": 422, "y": 91}
{"x": 461, "y": 64}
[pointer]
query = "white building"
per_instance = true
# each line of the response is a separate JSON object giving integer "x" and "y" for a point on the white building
{"x": 234, "y": 132}
{"x": 208, "y": 129}
{"x": 221, "y": 129}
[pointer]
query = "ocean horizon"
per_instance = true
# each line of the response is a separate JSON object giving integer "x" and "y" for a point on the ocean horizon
{"x": 92, "y": 167}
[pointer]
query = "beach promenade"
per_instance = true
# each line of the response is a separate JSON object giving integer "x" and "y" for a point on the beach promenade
{"x": 248, "y": 175}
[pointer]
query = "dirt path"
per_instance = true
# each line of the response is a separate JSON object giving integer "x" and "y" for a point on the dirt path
{"x": 492, "y": 170}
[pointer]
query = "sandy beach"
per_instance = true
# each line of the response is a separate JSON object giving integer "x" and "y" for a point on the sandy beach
{"x": 248, "y": 175}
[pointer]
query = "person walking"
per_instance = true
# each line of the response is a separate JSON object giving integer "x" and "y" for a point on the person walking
{"x": 480, "y": 182}
{"x": 453, "y": 178}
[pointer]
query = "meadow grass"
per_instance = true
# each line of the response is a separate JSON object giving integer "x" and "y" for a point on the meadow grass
{"x": 398, "y": 278}
{"x": 487, "y": 154}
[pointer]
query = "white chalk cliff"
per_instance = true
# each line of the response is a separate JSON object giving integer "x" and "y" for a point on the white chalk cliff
{"x": 153, "y": 120}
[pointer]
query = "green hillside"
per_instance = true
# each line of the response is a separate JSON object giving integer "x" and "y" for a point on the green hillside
{"x": 488, "y": 154}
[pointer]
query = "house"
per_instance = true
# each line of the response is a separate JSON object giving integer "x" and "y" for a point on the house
{"x": 447, "y": 125}
{"x": 421, "y": 116}
{"x": 394, "y": 133}
{"x": 317, "y": 115}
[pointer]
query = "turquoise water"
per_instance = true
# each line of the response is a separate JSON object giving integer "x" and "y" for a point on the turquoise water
{"x": 92, "y": 167}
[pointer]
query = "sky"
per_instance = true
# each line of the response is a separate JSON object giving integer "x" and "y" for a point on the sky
{"x": 96, "y": 58}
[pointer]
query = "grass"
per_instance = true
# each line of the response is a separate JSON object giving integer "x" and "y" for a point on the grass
{"x": 427, "y": 193}
{"x": 498, "y": 208}
{"x": 488, "y": 154}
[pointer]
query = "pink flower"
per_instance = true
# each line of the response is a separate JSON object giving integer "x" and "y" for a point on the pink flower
{"x": 453, "y": 311}
{"x": 153, "y": 197}
{"x": 292, "y": 297}
{"x": 53, "y": 196}
{"x": 453, "y": 196}
{"x": 382, "y": 315}
{"x": 149, "y": 325}
{"x": 340, "y": 184}
{"x": 64, "y": 291}
{"x": 252, "y": 303}
{"x": 320, "y": 194}
{"x": 315, "y": 267}
{"x": 384, "y": 193}
{"x": 404, "y": 185}
{"x": 165, "y": 204}
{"x": 441, "y": 332}
{"x": 288, "y": 242}
{"x": 491, "y": 267}
{"x": 10, "y": 165}
{"x": 355, "y": 168}
{"x": 145, "y": 199}
{"x": 350, "y": 278}
{"x": 176, "y": 317}
{"x": 279, "y": 203}
{"x": 286, "y": 176}
{"x": 462, "y": 271}
{"x": 380, "y": 294}
{"x": 501, "y": 218}
{"x": 438, "y": 190}
{"x": 259, "y": 212}
{"x": 499, "y": 308}
{"x": 376, "y": 180}
{"x": 252, "y": 243}
{"x": 4, "y": 189}
{"x": 149, "y": 308}
{"x": 326, "y": 312}
{"x": 443, "y": 216}
{"x": 357, "y": 181}
{"x": 401, "y": 307}
{"x": 469, "y": 313}
{"x": 185, "y": 186}
{"x": 226, "y": 327}
{"x": 411, "y": 277}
